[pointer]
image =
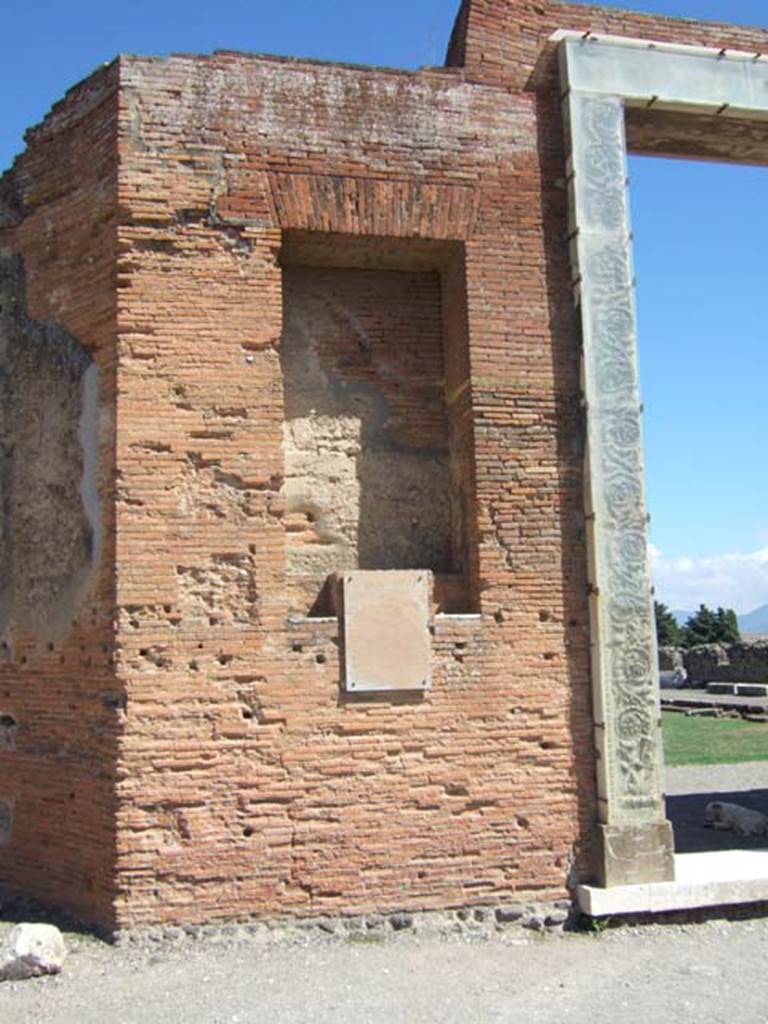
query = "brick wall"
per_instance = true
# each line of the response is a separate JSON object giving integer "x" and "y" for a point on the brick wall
{"x": 250, "y": 785}
{"x": 508, "y": 41}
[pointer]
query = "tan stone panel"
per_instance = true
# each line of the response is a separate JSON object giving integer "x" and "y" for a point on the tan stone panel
{"x": 387, "y": 644}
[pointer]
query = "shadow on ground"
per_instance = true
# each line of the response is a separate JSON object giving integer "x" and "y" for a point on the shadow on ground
{"x": 17, "y": 909}
{"x": 686, "y": 812}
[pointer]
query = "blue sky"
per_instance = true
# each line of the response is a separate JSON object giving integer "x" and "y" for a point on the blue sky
{"x": 701, "y": 289}
{"x": 700, "y": 232}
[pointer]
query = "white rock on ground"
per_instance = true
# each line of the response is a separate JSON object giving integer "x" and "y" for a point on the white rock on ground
{"x": 32, "y": 950}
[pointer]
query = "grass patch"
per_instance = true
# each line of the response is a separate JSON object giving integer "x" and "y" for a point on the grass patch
{"x": 712, "y": 740}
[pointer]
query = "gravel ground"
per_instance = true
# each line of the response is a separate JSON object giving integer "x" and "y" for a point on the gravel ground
{"x": 710, "y": 970}
{"x": 717, "y": 778}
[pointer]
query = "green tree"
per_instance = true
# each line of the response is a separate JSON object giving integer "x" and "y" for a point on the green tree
{"x": 668, "y": 632}
{"x": 728, "y": 626}
{"x": 708, "y": 627}
{"x": 700, "y": 627}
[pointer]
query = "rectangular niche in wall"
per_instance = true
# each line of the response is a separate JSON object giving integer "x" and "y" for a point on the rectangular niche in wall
{"x": 376, "y": 472}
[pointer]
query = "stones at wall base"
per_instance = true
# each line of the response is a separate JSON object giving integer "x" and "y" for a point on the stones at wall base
{"x": 473, "y": 922}
{"x": 635, "y": 854}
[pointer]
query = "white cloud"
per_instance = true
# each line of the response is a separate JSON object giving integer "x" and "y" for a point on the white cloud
{"x": 733, "y": 581}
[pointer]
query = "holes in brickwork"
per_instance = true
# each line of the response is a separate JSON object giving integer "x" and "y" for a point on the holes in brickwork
{"x": 154, "y": 657}
{"x": 115, "y": 701}
{"x": 459, "y": 649}
{"x": 247, "y": 831}
{"x": 455, "y": 789}
{"x": 8, "y": 729}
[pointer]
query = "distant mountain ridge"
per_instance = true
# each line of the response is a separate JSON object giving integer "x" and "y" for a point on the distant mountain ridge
{"x": 755, "y": 621}
{"x": 681, "y": 617}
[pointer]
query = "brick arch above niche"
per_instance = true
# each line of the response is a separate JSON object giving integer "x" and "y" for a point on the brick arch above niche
{"x": 373, "y": 206}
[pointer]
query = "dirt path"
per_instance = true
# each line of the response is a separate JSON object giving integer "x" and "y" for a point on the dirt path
{"x": 713, "y": 972}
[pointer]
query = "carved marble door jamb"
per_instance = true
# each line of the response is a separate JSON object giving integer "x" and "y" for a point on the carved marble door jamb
{"x": 636, "y": 843}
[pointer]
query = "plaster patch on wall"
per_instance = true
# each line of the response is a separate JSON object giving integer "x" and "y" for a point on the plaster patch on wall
{"x": 222, "y": 591}
{"x": 50, "y": 525}
{"x": 205, "y": 491}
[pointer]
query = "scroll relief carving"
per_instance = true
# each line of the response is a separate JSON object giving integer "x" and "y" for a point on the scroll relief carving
{"x": 616, "y": 455}
{"x": 602, "y": 125}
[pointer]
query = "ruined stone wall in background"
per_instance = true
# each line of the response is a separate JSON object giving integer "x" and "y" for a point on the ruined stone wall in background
{"x": 743, "y": 662}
